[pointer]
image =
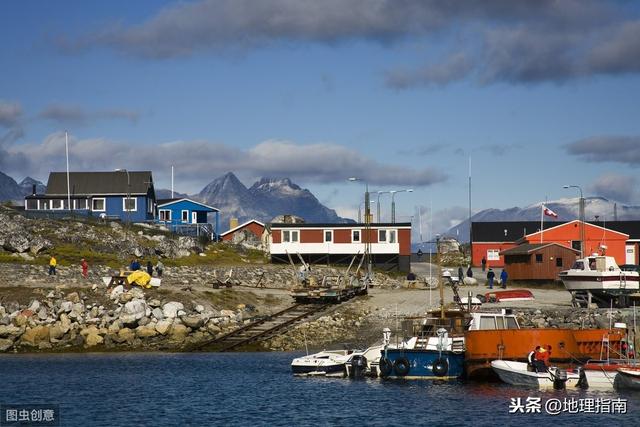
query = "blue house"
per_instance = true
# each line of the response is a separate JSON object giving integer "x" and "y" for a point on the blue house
{"x": 125, "y": 195}
{"x": 186, "y": 216}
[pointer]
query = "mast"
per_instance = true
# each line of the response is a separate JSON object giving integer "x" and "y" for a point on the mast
{"x": 66, "y": 145}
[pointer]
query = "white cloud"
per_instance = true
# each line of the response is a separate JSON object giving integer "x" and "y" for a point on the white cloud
{"x": 198, "y": 162}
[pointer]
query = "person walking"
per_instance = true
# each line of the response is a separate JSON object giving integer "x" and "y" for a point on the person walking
{"x": 503, "y": 278}
{"x": 159, "y": 268}
{"x": 52, "y": 265}
{"x": 85, "y": 268}
{"x": 149, "y": 268}
{"x": 484, "y": 264}
{"x": 490, "y": 277}
{"x": 460, "y": 275}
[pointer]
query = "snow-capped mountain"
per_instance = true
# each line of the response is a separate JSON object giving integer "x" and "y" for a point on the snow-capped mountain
{"x": 264, "y": 200}
{"x": 27, "y": 186}
{"x": 567, "y": 210}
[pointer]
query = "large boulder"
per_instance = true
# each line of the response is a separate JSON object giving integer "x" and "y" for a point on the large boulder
{"x": 178, "y": 333}
{"x": 5, "y": 344}
{"x": 193, "y": 321}
{"x": 7, "y": 331}
{"x": 92, "y": 340}
{"x": 163, "y": 326}
{"x": 170, "y": 310}
{"x": 34, "y": 336}
{"x": 146, "y": 331}
{"x": 133, "y": 311}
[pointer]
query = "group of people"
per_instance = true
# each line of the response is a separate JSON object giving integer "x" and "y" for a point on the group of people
{"x": 538, "y": 359}
{"x": 159, "y": 267}
{"x": 53, "y": 264}
{"x": 491, "y": 276}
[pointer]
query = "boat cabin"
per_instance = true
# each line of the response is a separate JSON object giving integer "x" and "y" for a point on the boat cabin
{"x": 596, "y": 263}
{"x": 490, "y": 321}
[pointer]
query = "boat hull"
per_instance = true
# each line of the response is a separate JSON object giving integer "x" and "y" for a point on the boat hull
{"x": 327, "y": 369}
{"x": 628, "y": 379}
{"x": 600, "y": 379}
{"x": 516, "y": 374}
{"x": 423, "y": 364}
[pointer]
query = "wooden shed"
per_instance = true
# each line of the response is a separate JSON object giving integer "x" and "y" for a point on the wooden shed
{"x": 538, "y": 261}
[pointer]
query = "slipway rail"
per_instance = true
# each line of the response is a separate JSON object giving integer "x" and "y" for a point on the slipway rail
{"x": 262, "y": 329}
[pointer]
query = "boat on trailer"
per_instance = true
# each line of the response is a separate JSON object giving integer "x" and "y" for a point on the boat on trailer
{"x": 599, "y": 278}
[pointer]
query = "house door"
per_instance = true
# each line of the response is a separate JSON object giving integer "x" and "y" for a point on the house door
{"x": 194, "y": 217}
{"x": 631, "y": 254}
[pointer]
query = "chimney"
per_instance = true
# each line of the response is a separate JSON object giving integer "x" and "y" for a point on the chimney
{"x": 33, "y": 190}
{"x": 233, "y": 223}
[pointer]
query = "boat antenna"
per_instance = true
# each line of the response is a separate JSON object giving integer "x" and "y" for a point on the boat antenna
{"x": 304, "y": 334}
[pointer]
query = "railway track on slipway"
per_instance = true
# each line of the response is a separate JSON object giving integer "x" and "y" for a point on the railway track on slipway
{"x": 262, "y": 329}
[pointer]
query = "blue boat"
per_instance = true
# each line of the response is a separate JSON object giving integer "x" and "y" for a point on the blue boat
{"x": 440, "y": 358}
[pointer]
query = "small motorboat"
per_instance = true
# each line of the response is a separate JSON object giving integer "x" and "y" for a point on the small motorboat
{"x": 628, "y": 378}
{"x": 509, "y": 295}
{"x": 326, "y": 362}
{"x": 601, "y": 374}
{"x": 517, "y": 374}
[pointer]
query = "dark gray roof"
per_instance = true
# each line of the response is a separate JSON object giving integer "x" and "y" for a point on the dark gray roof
{"x": 494, "y": 231}
{"x": 99, "y": 183}
{"x": 528, "y": 248}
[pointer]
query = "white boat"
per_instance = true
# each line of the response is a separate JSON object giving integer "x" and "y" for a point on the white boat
{"x": 602, "y": 278}
{"x": 326, "y": 362}
{"x": 516, "y": 373}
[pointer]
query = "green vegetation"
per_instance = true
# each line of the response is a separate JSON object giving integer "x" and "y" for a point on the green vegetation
{"x": 219, "y": 254}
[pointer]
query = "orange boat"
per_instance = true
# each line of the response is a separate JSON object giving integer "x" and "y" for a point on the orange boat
{"x": 568, "y": 346}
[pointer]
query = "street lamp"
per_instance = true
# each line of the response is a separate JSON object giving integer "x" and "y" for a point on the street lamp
{"x": 360, "y": 210}
{"x": 379, "y": 193}
{"x": 367, "y": 222}
{"x": 393, "y": 202}
{"x": 581, "y": 213}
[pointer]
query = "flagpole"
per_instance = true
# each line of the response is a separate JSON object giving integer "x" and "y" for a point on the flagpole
{"x": 541, "y": 221}
{"x": 66, "y": 145}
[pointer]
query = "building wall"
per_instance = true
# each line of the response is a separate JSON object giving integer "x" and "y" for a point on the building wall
{"x": 177, "y": 208}
{"x": 594, "y": 237}
{"x": 545, "y": 270}
{"x": 479, "y": 250}
{"x": 115, "y": 205}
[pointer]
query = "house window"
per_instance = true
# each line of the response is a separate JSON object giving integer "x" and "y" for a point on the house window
{"x": 165, "y": 214}
{"x": 539, "y": 258}
{"x": 558, "y": 262}
{"x": 290, "y": 236}
{"x": 149, "y": 205}
{"x": 80, "y": 204}
{"x": 328, "y": 236}
{"x": 56, "y": 204}
{"x": 392, "y": 236}
{"x": 32, "y": 204}
{"x": 576, "y": 244}
{"x": 184, "y": 216}
{"x": 355, "y": 235}
{"x": 129, "y": 204}
{"x": 493, "y": 255}
{"x": 382, "y": 235}
{"x": 97, "y": 204}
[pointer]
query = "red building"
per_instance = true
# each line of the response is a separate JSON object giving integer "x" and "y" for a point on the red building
{"x": 252, "y": 228}
{"x": 338, "y": 243}
{"x": 618, "y": 239}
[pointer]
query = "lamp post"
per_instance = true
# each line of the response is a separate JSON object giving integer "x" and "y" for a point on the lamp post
{"x": 379, "y": 193}
{"x": 367, "y": 222}
{"x": 393, "y": 202}
{"x": 360, "y": 210}
{"x": 581, "y": 214}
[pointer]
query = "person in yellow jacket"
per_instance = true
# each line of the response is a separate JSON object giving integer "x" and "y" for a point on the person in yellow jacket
{"x": 52, "y": 265}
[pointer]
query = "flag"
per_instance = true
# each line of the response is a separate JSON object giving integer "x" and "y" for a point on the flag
{"x": 549, "y": 212}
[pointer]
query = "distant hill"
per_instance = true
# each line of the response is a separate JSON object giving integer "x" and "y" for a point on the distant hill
{"x": 9, "y": 189}
{"x": 27, "y": 186}
{"x": 163, "y": 193}
{"x": 264, "y": 200}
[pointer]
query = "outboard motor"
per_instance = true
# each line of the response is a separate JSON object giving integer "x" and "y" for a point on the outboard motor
{"x": 559, "y": 379}
{"x": 582, "y": 381}
{"x": 358, "y": 366}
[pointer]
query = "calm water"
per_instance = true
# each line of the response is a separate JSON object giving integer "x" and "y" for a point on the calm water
{"x": 249, "y": 389}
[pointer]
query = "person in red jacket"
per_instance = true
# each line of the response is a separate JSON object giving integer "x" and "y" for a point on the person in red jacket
{"x": 542, "y": 360}
{"x": 85, "y": 268}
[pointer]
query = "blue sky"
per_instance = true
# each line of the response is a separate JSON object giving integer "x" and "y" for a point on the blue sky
{"x": 538, "y": 94}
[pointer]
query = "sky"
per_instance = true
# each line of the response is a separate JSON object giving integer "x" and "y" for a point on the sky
{"x": 405, "y": 94}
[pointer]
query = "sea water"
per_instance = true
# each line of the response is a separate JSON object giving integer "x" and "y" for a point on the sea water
{"x": 248, "y": 389}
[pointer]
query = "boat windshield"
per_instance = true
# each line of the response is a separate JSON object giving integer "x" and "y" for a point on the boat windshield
{"x": 578, "y": 265}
